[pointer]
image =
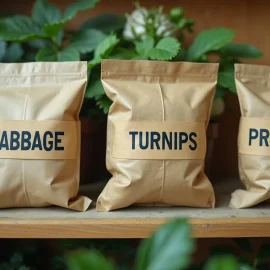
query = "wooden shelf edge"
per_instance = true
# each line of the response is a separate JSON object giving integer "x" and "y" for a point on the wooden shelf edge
{"x": 135, "y": 221}
{"x": 127, "y": 228}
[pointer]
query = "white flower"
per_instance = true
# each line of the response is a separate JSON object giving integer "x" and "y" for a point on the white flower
{"x": 164, "y": 27}
{"x": 218, "y": 107}
{"x": 140, "y": 21}
{"x": 135, "y": 25}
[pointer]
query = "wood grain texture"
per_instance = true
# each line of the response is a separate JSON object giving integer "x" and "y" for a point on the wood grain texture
{"x": 136, "y": 222}
{"x": 124, "y": 228}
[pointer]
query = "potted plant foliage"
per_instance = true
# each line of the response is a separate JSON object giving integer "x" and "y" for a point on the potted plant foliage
{"x": 144, "y": 34}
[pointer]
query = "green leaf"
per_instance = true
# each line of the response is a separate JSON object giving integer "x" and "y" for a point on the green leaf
{"x": 103, "y": 50}
{"x": 204, "y": 58}
{"x": 221, "y": 92}
{"x": 181, "y": 56}
{"x": 105, "y": 47}
{"x": 51, "y": 30}
{"x": 60, "y": 37}
{"x": 166, "y": 49}
{"x": 47, "y": 54}
{"x": 70, "y": 13}
{"x": 57, "y": 262}
{"x": 69, "y": 54}
{"x": 87, "y": 40}
{"x": 140, "y": 57}
{"x": 45, "y": 13}
{"x": 80, "y": 5}
{"x": 105, "y": 23}
{"x": 93, "y": 63}
{"x": 176, "y": 14}
{"x": 19, "y": 28}
{"x": 16, "y": 259}
{"x": 93, "y": 260}
{"x": 104, "y": 103}
{"x": 226, "y": 78}
{"x": 38, "y": 43}
{"x": 225, "y": 262}
{"x": 51, "y": 55}
{"x": 13, "y": 54}
{"x": 186, "y": 23}
{"x": 94, "y": 88}
{"x": 3, "y": 46}
{"x": 169, "y": 248}
{"x": 122, "y": 53}
{"x": 209, "y": 40}
{"x": 241, "y": 51}
{"x": 145, "y": 46}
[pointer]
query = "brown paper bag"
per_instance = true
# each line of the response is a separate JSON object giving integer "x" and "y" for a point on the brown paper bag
{"x": 156, "y": 139}
{"x": 252, "y": 82}
{"x": 40, "y": 134}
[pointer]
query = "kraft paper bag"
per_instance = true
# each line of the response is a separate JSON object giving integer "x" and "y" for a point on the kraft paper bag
{"x": 253, "y": 88}
{"x": 156, "y": 136}
{"x": 40, "y": 134}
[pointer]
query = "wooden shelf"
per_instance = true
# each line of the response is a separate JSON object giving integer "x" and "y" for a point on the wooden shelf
{"x": 136, "y": 222}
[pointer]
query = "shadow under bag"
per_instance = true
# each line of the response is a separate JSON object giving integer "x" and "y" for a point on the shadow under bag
{"x": 40, "y": 134}
{"x": 156, "y": 134}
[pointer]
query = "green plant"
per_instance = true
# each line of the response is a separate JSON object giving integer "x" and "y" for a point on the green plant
{"x": 148, "y": 34}
{"x": 155, "y": 35}
{"x": 16, "y": 262}
{"x": 10, "y": 52}
{"x": 44, "y": 38}
{"x": 145, "y": 34}
{"x": 170, "y": 247}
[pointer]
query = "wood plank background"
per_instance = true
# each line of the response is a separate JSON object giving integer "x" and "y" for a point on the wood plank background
{"x": 250, "y": 19}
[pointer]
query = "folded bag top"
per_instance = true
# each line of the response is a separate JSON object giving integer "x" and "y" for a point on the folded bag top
{"x": 40, "y": 134}
{"x": 156, "y": 134}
